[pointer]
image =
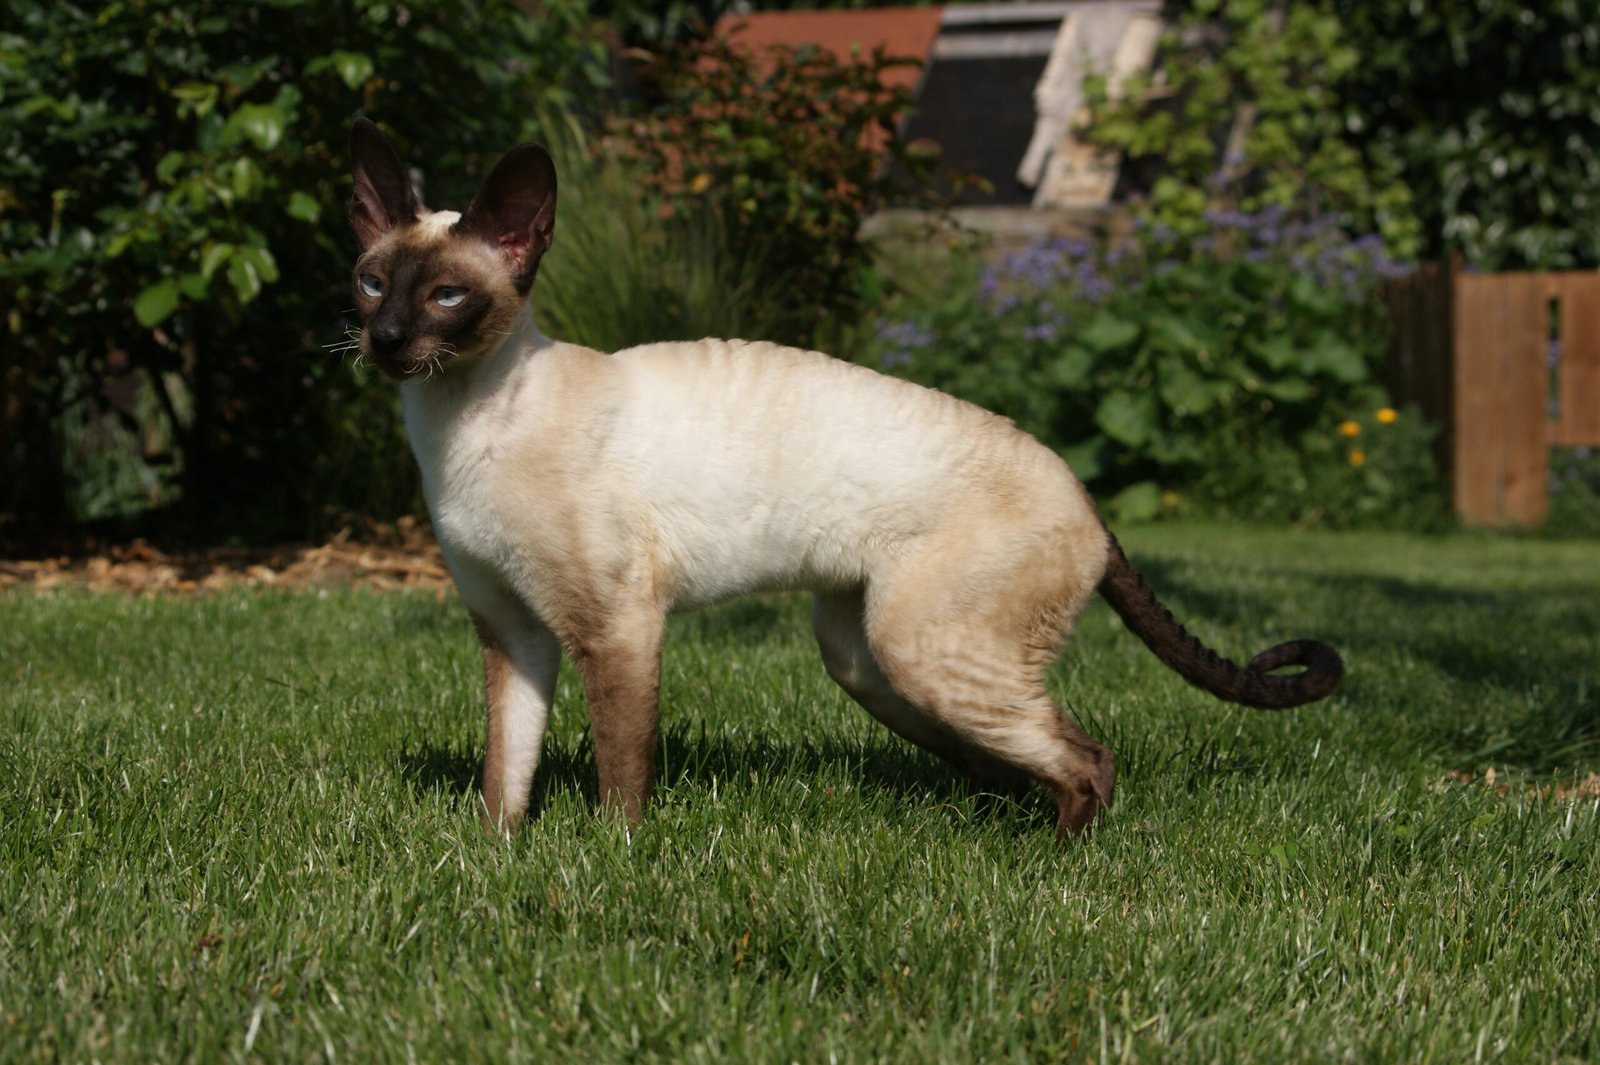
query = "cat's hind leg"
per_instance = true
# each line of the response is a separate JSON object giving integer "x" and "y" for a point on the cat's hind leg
{"x": 969, "y": 651}
{"x": 837, "y": 619}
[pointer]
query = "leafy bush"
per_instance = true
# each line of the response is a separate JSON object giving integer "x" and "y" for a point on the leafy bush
{"x": 1457, "y": 126}
{"x": 626, "y": 269}
{"x": 790, "y": 149}
{"x": 1244, "y": 111}
{"x": 1489, "y": 108}
{"x": 1574, "y": 484}
{"x": 1208, "y": 372}
{"x": 172, "y": 186}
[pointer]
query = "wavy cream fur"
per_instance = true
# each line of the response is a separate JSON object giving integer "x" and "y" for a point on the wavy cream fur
{"x": 585, "y": 495}
{"x": 581, "y": 497}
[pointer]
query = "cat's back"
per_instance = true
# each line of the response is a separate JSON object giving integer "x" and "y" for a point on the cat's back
{"x": 750, "y": 412}
{"x": 756, "y": 387}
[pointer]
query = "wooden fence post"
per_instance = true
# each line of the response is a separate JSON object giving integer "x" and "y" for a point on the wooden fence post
{"x": 1472, "y": 351}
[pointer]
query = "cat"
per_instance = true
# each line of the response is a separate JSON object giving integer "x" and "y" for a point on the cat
{"x": 581, "y": 497}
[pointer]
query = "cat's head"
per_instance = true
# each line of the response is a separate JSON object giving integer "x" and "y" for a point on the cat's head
{"x": 435, "y": 288}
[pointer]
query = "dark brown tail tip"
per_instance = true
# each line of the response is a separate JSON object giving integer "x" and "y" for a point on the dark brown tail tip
{"x": 1323, "y": 667}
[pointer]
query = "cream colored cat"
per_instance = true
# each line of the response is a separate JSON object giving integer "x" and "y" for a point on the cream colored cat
{"x": 581, "y": 497}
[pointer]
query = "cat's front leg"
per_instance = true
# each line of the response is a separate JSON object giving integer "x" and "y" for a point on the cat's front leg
{"x": 520, "y": 661}
{"x": 621, "y": 669}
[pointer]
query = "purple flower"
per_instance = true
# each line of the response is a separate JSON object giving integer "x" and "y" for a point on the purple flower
{"x": 901, "y": 339}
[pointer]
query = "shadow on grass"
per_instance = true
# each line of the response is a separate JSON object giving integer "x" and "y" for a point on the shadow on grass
{"x": 1534, "y": 654}
{"x": 693, "y": 758}
{"x": 1531, "y": 698}
{"x": 750, "y": 620}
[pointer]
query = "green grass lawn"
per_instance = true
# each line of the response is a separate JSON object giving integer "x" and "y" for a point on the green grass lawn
{"x": 243, "y": 827}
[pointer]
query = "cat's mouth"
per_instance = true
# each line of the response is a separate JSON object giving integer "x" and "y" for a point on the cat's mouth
{"x": 407, "y": 360}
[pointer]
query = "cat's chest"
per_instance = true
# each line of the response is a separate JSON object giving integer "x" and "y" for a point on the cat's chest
{"x": 463, "y": 456}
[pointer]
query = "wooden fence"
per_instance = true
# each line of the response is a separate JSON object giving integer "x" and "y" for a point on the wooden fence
{"x": 1509, "y": 366}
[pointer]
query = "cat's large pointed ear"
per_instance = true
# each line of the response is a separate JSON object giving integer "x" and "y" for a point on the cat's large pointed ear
{"x": 515, "y": 211}
{"x": 383, "y": 196}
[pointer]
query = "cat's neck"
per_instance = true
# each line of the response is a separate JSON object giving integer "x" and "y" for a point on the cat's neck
{"x": 437, "y": 407}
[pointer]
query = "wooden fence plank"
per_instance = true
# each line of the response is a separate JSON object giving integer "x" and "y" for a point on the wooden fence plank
{"x": 1524, "y": 384}
{"x": 1471, "y": 350}
{"x": 1479, "y": 335}
{"x": 1579, "y": 382}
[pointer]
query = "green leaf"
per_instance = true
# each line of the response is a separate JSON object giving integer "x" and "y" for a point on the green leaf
{"x": 1072, "y": 367}
{"x": 1277, "y": 351}
{"x": 1108, "y": 332}
{"x": 1288, "y": 390}
{"x": 261, "y": 124}
{"x": 156, "y": 302}
{"x": 212, "y": 257}
{"x": 1126, "y": 417}
{"x": 1087, "y": 460}
{"x": 354, "y": 68}
{"x": 245, "y": 277}
{"x": 168, "y": 166}
{"x": 193, "y": 286}
{"x": 1176, "y": 449}
{"x": 196, "y": 96}
{"x": 1311, "y": 298}
{"x": 1342, "y": 361}
{"x": 247, "y": 178}
{"x": 64, "y": 110}
{"x": 1138, "y": 502}
{"x": 303, "y": 207}
{"x": 264, "y": 263}
{"x": 251, "y": 268}
{"x": 1185, "y": 391}
{"x": 1174, "y": 333}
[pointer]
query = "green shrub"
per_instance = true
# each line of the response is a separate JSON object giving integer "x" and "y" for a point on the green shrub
{"x": 172, "y": 185}
{"x": 626, "y": 269}
{"x": 1454, "y": 126}
{"x": 790, "y": 149}
{"x": 1490, "y": 109}
{"x": 1207, "y": 372}
{"x": 1574, "y": 484}
{"x": 1374, "y": 469}
{"x": 1244, "y": 111}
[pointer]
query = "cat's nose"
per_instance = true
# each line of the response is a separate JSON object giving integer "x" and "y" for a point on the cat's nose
{"x": 386, "y": 338}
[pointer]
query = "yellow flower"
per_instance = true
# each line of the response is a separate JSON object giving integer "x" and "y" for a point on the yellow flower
{"x": 1350, "y": 429}
{"x": 701, "y": 183}
{"x": 1388, "y": 416}
{"x": 1358, "y": 457}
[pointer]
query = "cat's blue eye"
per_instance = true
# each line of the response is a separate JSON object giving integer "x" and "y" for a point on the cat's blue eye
{"x": 449, "y": 297}
{"x": 370, "y": 285}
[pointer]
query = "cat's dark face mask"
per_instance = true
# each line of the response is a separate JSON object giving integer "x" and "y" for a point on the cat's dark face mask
{"x": 434, "y": 288}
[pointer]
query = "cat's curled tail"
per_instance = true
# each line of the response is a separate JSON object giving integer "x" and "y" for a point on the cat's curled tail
{"x": 1251, "y": 685}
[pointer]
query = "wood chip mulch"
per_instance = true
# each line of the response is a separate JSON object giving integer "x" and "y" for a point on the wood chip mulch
{"x": 1573, "y": 790}
{"x": 400, "y": 556}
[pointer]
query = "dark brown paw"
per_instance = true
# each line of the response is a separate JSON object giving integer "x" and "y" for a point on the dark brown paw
{"x": 1080, "y": 801}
